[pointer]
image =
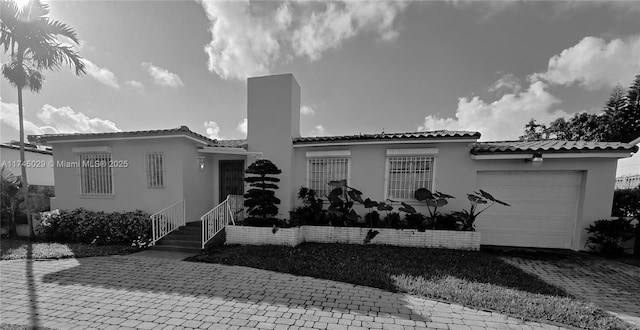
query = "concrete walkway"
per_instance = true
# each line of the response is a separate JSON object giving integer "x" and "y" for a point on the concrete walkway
{"x": 609, "y": 284}
{"x": 150, "y": 293}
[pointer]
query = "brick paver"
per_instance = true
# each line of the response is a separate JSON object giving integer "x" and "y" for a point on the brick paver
{"x": 148, "y": 293}
{"x": 611, "y": 285}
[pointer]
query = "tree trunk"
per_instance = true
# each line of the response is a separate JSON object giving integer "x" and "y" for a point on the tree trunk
{"x": 23, "y": 168}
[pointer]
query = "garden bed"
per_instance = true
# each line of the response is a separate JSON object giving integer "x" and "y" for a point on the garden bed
{"x": 446, "y": 239}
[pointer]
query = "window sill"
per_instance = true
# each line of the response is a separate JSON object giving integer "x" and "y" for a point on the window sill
{"x": 96, "y": 196}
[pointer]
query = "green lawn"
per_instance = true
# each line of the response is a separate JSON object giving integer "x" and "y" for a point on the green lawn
{"x": 24, "y": 249}
{"x": 474, "y": 279}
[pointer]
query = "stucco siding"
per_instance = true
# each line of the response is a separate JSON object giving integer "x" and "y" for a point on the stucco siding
{"x": 452, "y": 170}
{"x": 198, "y": 183}
{"x": 130, "y": 190}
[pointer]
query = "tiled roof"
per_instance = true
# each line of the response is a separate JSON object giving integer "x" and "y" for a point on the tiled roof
{"x": 549, "y": 146}
{"x": 412, "y": 136}
{"x": 231, "y": 143}
{"x": 172, "y": 131}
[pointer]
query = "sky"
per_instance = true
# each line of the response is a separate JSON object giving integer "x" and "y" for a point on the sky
{"x": 364, "y": 67}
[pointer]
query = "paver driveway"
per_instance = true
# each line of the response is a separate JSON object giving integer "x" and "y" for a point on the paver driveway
{"x": 612, "y": 285}
{"x": 127, "y": 292}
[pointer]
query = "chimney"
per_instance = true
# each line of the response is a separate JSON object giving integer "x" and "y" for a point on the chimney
{"x": 273, "y": 120}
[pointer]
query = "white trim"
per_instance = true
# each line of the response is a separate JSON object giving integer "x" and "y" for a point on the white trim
{"x": 228, "y": 151}
{"x": 84, "y": 150}
{"x": 554, "y": 155}
{"x": 421, "y": 151}
{"x": 126, "y": 138}
{"x": 336, "y": 153}
{"x": 336, "y": 144}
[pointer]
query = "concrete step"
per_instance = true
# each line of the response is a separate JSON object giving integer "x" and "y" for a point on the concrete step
{"x": 172, "y": 242}
{"x": 176, "y": 248}
{"x": 184, "y": 236}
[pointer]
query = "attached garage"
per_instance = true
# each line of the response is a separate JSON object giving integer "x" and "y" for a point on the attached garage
{"x": 556, "y": 189}
{"x": 543, "y": 211}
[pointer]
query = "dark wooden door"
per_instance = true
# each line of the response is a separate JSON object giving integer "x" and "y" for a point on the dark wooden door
{"x": 231, "y": 178}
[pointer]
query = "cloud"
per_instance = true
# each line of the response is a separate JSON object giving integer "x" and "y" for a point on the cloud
{"x": 134, "y": 84}
{"x": 102, "y": 75}
{"x": 508, "y": 83}
{"x": 9, "y": 116}
{"x": 503, "y": 119}
{"x": 213, "y": 130}
{"x": 318, "y": 130}
{"x": 66, "y": 120}
{"x": 594, "y": 64}
{"x": 162, "y": 76}
{"x": 56, "y": 120}
{"x": 242, "y": 126}
{"x": 307, "y": 110}
{"x": 248, "y": 39}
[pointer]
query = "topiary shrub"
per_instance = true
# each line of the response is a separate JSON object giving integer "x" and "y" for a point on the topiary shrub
{"x": 97, "y": 227}
{"x": 606, "y": 235}
{"x": 261, "y": 200}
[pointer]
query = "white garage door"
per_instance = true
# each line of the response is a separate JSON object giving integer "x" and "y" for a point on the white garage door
{"x": 543, "y": 208}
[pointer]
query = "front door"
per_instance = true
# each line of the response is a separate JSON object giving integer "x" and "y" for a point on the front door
{"x": 231, "y": 178}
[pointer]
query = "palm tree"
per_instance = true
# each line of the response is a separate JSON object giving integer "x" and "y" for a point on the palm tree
{"x": 31, "y": 39}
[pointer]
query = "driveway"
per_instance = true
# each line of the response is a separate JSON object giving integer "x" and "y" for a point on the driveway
{"x": 129, "y": 292}
{"x": 612, "y": 285}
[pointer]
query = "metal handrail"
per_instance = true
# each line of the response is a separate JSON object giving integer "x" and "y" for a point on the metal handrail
{"x": 167, "y": 220}
{"x": 217, "y": 218}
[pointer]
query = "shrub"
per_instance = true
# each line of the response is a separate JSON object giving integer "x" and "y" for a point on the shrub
{"x": 311, "y": 213}
{"x": 433, "y": 201}
{"x": 261, "y": 200}
{"x": 372, "y": 219}
{"x": 608, "y": 235}
{"x": 392, "y": 220}
{"x": 450, "y": 221}
{"x": 626, "y": 203}
{"x": 341, "y": 200}
{"x": 416, "y": 220}
{"x": 97, "y": 227}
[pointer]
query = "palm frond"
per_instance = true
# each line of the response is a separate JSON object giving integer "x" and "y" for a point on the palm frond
{"x": 54, "y": 27}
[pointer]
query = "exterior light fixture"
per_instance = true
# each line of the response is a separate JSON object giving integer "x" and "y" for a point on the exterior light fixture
{"x": 536, "y": 160}
{"x": 201, "y": 163}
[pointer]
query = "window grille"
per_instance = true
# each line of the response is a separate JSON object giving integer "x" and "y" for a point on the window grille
{"x": 324, "y": 170}
{"x": 407, "y": 174}
{"x": 155, "y": 170}
{"x": 96, "y": 177}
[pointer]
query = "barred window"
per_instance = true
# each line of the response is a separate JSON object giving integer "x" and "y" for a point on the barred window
{"x": 96, "y": 177}
{"x": 324, "y": 170}
{"x": 155, "y": 169}
{"x": 407, "y": 174}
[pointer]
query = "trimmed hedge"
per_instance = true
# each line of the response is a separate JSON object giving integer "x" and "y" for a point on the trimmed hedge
{"x": 96, "y": 227}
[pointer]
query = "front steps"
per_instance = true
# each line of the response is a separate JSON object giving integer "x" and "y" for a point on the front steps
{"x": 184, "y": 239}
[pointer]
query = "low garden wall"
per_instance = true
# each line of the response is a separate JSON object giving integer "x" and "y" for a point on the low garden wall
{"x": 462, "y": 240}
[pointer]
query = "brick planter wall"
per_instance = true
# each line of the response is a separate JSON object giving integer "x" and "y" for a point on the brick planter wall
{"x": 461, "y": 240}
{"x": 262, "y": 236}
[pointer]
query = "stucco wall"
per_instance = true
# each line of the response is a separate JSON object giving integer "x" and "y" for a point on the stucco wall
{"x": 273, "y": 114}
{"x": 129, "y": 184}
{"x": 35, "y": 175}
{"x": 455, "y": 174}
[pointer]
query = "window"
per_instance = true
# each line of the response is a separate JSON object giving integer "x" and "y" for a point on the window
{"x": 408, "y": 173}
{"x": 155, "y": 170}
{"x": 326, "y": 169}
{"x": 96, "y": 177}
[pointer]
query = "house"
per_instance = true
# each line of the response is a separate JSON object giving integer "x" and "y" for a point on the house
{"x": 38, "y": 158}
{"x": 628, "y": 173}
{"x": 556, "y": 188}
